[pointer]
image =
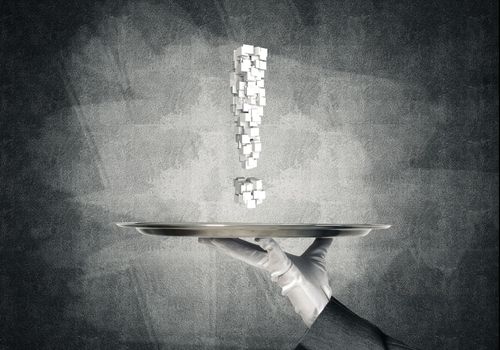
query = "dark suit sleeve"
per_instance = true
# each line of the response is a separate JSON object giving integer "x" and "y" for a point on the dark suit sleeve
{"x": 337, "y": 327}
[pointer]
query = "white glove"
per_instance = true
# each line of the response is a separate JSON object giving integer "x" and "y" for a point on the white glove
{"x": 303, "y": 279}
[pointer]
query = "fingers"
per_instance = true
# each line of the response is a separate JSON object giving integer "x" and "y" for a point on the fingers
{"x": 318, "y": 248}
{"x": 239, "y": 249}
{"x": 267, "y": 254}
{"x": 241, "y": 242}
{"x": 268, "y": 244}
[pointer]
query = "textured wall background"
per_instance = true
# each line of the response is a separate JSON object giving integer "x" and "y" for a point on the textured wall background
{"x": 378, "y": 111}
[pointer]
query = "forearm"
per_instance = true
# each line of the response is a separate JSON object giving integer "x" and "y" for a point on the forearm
{"x": 337, "y": 327}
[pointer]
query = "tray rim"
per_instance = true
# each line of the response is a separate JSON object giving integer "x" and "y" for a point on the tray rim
{"x": 251, "y": 226}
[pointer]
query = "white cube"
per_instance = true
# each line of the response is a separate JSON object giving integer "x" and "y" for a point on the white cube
{"x": 251, "y": 89}
{"x": 252, "y": 85}
{"x": 248, "y": 49}
{"x": 254, "y": 132}
{"x": 259, "y": 110}
{"x": 260, "y": 64}
{"x": 250, "y": 163}
{"x": 256, "y": 118}
{"x": 238, "y": 52}
{"x": 251, "y": 204}
{"x": 258, "y": 185}
{"x": 246, "y": 196}
{"x": 261, "y": 100}
{"x": 249, "y": 77}
{"x": 246, "y": 107}
{"x": 250, "y": 92}
{"x": 259, "y": 194}
{"x": 257, "y": 147}
{"x": 245, "y": 66}
{"x": 255, "y": 181}
{"x": 245, "y": 139}
{"x": 262, "y": 52}
{"x": 246, "y": 149}
{"x": 245, "y": 117}
{"x": 255, "y": 71}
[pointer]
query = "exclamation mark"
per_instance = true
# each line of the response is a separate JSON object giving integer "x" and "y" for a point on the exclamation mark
{"x": 249, "y": 99}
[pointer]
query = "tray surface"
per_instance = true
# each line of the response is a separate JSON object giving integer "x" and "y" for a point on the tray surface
{"x": 234, "y": 230}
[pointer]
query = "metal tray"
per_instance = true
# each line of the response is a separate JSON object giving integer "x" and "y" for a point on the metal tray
{"x": 234, "y": 230}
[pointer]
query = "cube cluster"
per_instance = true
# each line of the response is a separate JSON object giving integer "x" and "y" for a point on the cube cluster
{"x": 249, "y": 99}
{"x": 249, "y": 191}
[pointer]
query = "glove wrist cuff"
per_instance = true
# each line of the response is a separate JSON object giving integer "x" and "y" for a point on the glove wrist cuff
{"x": 290, "y": 279}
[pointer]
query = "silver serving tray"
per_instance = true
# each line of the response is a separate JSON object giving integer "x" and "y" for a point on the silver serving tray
{"x": 234, "y": 230}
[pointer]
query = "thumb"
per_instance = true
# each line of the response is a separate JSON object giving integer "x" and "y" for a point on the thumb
{"x": 318, "y": 249}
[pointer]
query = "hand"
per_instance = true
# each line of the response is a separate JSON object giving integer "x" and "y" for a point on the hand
{"x": 303, "y": 279}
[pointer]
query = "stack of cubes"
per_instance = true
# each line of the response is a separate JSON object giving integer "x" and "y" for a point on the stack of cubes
{"x": 249, "y": 99}
{"x": 249, "y": 191}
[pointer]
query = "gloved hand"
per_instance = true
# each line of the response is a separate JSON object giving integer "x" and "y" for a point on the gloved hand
{"x": 303, "y": 279}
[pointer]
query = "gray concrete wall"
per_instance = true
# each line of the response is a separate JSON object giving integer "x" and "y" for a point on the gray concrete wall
{"x": 378, "y": 112}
